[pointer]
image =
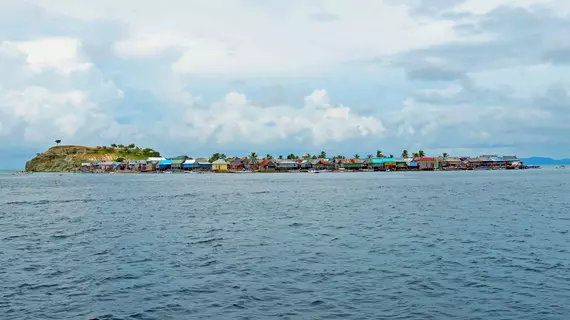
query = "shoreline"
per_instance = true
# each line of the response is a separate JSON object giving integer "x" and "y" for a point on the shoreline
{"x": 121, "y": 172}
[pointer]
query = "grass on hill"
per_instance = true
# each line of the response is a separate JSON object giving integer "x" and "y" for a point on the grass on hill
{"x": 130, "y": 152}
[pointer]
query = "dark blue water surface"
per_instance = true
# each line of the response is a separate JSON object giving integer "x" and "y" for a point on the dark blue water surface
{"x": 434, "y": 245}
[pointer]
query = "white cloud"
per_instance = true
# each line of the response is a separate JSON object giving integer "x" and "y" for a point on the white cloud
{"x": 47, "y": 92}
{"x": 60, "y": 54}
{"x": 250, "y": 37}
{"x": 235, "y": 119}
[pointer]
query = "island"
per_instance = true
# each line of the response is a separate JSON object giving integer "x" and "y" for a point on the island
{"x": 118, "y": 158}
{"x": 71, "y": 158}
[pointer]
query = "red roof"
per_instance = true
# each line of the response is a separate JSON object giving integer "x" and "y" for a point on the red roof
{"x": 424, "y": 159}
{"x": 325, "y": 162}
{"x": 264, "y": 162}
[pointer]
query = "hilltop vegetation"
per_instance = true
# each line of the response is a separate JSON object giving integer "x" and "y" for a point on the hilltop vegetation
{"x": 69, "y": 158}
{"x": 131, "y": 151}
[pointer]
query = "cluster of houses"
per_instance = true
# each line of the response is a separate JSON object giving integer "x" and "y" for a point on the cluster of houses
{"x": 246, "y": 164}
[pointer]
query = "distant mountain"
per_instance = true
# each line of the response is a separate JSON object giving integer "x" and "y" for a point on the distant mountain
{"x": 544, "y": 161}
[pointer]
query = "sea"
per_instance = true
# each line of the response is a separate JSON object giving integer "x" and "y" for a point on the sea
{"x": 386, "y": 245}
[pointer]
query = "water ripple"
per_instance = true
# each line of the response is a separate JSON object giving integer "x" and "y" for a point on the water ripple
{"x": 457, "y": 245}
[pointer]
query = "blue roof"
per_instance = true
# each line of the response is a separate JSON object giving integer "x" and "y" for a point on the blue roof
{"x": 165, "y": 162}
{"x": 382, "y": 160}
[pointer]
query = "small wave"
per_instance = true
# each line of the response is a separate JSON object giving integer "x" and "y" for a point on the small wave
{"x": 295, "y": 224}
{"x": 43, "y": 202}
{"x": 207, "y": 241}
{"x": 209, "y": 263}
{"x": 317, "y": 303}
{"x": 260, "y": 192}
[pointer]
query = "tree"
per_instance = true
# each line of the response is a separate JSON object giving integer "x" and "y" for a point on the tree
{"x": 121, "y": 146}
{"x": 223, "y": 156}
{"x": 421, "y": 153}
{"x": 405, "y": 154}
{"x": 280, "y": 157}
{"x": 253, "y": 157}
{"x": 57, "y": 142}
{"x": 357, "y": 156}
{"x": 119, "y": 159}
{"x": 379, "y": 154}
{"x": 314, "y": 157}
{"x": 215, "y": 156}
{"x": 391, "y": 156}
{"x": 445, "y": 155}
{"x": 131, "y": 146}
{"x": 416, "y": 155}
{"x": 323, "y": 155}
{"x": 114, "y": 145}
{"x": 340, "y": 156}
{"x": 306, "y": 156}
{"x": 370, "y": 156}
{"x": 268, "y": 157}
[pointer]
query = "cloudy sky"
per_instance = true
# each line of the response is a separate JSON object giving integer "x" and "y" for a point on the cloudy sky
{"x": 466, "y": 77}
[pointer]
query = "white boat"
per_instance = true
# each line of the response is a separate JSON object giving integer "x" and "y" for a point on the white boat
{"x": 313, "y": 170}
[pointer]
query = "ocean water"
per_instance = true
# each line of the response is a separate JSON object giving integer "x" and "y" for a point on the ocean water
{"x": 433, "y": 245}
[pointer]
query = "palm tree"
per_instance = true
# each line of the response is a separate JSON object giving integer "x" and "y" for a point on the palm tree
{"x": 268, "y": 157}
{"x": 253, "y": 157}
{"x": 280, "y": 157}
{"x": 405, "y": 154}
{"x": 379, "y": 154}
{"x": 416, "y": 155}
{"x": 215, "y": 157}
{"x": 314, "y": 157}
{"x": 57, "y": 142}
{"x": 445, "y": 155}
{"x": 370, "y": 156}
{"x": 323, "y": 155}
{"x": 421, "y": 153}
{"x": 391, "y": 156}
{"x": 357, "y": 156}
{"x": 340, "y": 156}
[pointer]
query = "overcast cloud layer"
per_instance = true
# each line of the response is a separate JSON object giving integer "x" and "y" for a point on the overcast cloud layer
{"x": 194, "y": 77}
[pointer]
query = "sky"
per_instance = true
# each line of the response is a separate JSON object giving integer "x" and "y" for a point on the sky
{"x": 466, "y": 77}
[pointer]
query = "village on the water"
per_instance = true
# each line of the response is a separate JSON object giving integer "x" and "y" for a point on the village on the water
{"x": 220, "y": 163}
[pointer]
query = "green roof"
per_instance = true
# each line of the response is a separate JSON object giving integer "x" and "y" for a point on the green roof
{"x": 177, "y": 161}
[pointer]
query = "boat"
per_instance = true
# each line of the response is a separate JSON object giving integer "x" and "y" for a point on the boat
{"x": 561, "y": 167}
{"x": 313, "y": 170}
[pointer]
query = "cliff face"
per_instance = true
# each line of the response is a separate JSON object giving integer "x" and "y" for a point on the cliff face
{"x": 69, "y": 158}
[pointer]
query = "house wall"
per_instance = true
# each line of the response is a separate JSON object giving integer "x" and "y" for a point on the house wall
{"x": 220, "y": 167}
{"x": 428, "y": 165}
